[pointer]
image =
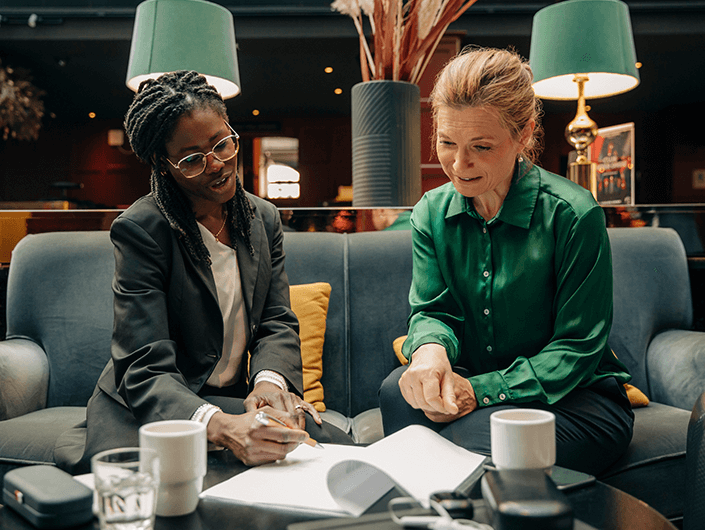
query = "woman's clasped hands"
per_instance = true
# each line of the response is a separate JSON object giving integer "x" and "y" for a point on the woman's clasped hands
{"x": 254, "y": 443}
{"x": 430, "y": 384}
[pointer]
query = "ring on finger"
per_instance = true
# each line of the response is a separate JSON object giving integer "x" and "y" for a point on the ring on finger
{"x": 298, "y": 407}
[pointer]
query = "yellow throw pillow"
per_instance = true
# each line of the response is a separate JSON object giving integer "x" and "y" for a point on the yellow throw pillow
{"x": 636, "y": 397}
{"x": 397, "y": 344}
{"x": 310, "y": 304}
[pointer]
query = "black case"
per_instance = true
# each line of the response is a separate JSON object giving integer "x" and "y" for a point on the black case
{"x": 525, "y": 499}
{"x": 47, "y": 497}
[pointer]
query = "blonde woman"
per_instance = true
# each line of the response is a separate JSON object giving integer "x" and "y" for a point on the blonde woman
{"x": 511, "y": 297}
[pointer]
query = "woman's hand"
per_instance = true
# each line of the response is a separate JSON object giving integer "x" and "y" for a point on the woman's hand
{"x": 465, "y": 399}
{"x": 429, "y": 383}
{"x": 269, "y": 394}
{"x": 251, "y": 441}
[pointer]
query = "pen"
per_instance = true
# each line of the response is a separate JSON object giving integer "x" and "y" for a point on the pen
{"x": 265, "y": 418}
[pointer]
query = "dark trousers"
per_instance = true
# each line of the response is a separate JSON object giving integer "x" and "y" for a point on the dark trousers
{"x": 593, "y": 425}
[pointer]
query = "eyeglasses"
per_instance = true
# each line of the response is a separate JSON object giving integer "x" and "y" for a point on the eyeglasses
{"x": 194, "y": 164}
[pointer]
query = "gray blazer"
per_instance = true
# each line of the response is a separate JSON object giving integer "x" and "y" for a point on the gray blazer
{"x": 168, "y": 328}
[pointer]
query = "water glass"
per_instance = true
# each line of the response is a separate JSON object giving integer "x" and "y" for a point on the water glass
{"x": 126, "y": 483}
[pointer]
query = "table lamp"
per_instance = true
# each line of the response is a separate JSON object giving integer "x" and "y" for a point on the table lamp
{"x": 582, "y": 49}
{"x": 171, "y": 35}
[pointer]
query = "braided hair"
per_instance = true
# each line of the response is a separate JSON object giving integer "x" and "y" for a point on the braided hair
{"x": 150, "y": 122}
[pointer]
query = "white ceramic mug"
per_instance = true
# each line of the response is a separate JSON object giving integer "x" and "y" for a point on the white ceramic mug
{"x": 523, "y": 439}
{"x": 182, "y": 446}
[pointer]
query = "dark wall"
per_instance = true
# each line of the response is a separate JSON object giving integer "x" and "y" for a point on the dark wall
{"x": 113, "y": 177}
{"x": 72, "y": 152}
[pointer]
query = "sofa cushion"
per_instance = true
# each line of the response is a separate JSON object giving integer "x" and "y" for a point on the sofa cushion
{"x": 651, "y": 294}
{"x": 59, "y": 295}
{"x": 653, "y": 467}
{"x": 365, "y": 428}
{"x": 30, "y": 439}
{"x": 676, "y": 380}
{"x": 310, "y": 304}
{"x": 379, "y": 272}
{"x": 319, "y": 257}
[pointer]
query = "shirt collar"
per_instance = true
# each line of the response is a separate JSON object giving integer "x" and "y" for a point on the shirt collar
{"x": 518, "y": 205}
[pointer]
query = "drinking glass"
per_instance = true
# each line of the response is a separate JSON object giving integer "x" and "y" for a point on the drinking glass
{"x": 126, "y": 482}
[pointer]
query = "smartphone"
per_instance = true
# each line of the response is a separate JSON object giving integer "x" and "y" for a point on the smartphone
{"x": 568, "y": 479}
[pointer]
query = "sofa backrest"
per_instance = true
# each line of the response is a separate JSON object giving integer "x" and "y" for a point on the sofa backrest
{"x": 370, "y": 276}
{"x": 651, "y": 293}
{"x": 59, "y": 295}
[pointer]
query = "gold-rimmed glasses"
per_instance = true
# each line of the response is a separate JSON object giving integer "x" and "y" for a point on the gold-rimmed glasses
{"x": 194, "y": 164}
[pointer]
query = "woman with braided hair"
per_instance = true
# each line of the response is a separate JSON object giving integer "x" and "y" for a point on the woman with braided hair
{"x": 199, "y": 282}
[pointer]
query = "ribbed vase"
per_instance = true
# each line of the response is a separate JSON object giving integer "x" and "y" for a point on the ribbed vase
{"x": 386, "y": 143}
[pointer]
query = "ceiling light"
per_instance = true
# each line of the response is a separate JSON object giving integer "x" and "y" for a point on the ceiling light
{"x": 171, "y": 35}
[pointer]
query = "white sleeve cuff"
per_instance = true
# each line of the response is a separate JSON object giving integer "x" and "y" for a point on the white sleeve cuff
{"x": 205, "y": 412}
{"x": 271, "y": 377}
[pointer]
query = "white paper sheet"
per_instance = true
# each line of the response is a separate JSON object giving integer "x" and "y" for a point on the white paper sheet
{"x": 346, "y": 480}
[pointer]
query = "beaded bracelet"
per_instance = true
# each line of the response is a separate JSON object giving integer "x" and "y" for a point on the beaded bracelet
{"x": 205, "y": 412}
{"x": 272, "y": 377}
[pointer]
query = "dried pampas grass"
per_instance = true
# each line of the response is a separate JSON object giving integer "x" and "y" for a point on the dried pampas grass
{"x": 405, "y": 33}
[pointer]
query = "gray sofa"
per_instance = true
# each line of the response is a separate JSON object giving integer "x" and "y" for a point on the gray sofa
{"x": 59, "y": 321}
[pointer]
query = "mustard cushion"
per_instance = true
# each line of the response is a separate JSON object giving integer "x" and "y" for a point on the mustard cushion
{"x": 310, "y": 304}
{"x": 636, "y": 397}
{"x": 397, "y": 344}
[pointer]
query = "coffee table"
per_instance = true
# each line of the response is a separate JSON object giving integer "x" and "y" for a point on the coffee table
{"x": 598, "y": 505}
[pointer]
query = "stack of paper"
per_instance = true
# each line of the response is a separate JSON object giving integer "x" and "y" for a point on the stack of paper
{"x": 346, "y": 480}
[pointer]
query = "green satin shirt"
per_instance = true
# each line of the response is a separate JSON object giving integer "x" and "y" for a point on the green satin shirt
{"x": 523, "y": 301}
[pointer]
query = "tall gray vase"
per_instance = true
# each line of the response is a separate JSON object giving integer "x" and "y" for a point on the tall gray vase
{"x": 386, "y": 143}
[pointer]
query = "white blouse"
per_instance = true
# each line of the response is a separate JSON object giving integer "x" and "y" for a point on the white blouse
{"x": 226, "y": 274}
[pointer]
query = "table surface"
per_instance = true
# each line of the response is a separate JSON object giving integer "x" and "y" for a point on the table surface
{"x": 598, "y": 505}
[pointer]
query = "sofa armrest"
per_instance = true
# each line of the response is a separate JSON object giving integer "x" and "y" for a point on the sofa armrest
{"x": 675, "y": 364}
{"x": 24, "y": 378}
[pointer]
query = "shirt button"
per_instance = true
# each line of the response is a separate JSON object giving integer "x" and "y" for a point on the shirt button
{"x": 486, "y": 274}
{"x": 489, "y": 348}
{"x": 486, "y": 311}
{"x": 502, "y": 397}
{"x": 484, "y": 230}
{"x": 486, "y": 400}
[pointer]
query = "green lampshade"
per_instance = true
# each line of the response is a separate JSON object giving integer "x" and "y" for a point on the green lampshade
{"x": 172, "y": 35}
{"x": 592, "y": 37}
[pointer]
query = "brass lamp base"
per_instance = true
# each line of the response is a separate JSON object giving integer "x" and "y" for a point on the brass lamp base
{"x": 584, "y": 173}
{"x": 580, "y": 133}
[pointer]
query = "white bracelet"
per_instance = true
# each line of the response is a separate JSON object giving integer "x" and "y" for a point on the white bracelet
{"x": 271, "y": 377}
{"x": 204, "y": 413}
